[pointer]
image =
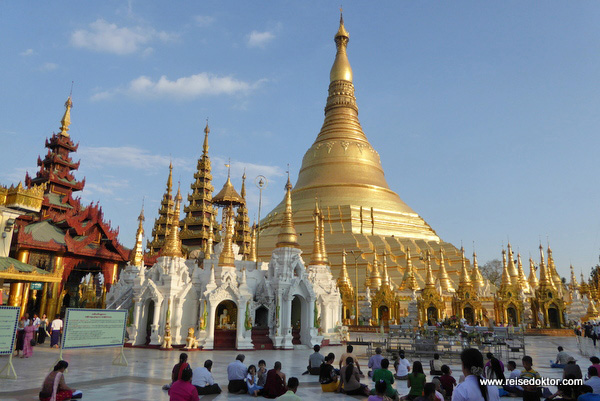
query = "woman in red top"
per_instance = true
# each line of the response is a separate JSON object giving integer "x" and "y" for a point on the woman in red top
{"x": 183, "y": 389}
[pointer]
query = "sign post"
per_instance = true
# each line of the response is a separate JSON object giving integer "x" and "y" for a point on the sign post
{"x": 95, "y": 328}
{"x": 9, "y": 318}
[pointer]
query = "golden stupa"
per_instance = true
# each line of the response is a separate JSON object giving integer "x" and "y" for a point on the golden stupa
{"x": 343, "y": 171}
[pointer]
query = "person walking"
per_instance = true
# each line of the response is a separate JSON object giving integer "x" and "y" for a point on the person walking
{"x": 43, "y": 330}
{"x": 55, "y": 331}
{"x": 28, "y": 340}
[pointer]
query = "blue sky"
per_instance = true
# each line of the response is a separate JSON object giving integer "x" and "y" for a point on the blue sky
{"x": 485, "y": 114}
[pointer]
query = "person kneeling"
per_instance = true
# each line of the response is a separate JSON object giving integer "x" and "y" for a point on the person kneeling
{"x": 203, "y": 380}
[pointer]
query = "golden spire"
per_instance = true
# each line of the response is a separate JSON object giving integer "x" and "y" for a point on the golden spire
{"x": 227, "y": 258}
{"x": 172, "y": 246}
{"x": 341, "y": 69}
{"x": 592, "y": 312}
{"x": 316, "y": 258}
{"x": 137, "y": 253}
{"x": 243, "y": 191}
{"x": 287, "y": 234}
{"x": 465, "y": 278}
{"x": 476, "y": 275}
{"x": 522, "y": 279}
{"x": 410, "y": 279}
{"x": 443, "y": 274}
{"x": 322, "y": 239}
{"x": 385, "y": 281}
{"x": 165, "y": 213}
{"x": 573, "y": 284}
{"x": 252, "y": 257}
{"x": 512, "y": 270}
{"x": 554, "y": 277}
{"x": 544, "y": 279}
{"x": 430, "y": 280}
{"x": 344, "y": 279}
{"x": 533, "y": 281}
{"x": 584, "y": 289}
{"x": 205, "y": 145}
{"x": 375, "y": 275}
{"x": 242, "y": 224}
{"x": 66, "y": 120}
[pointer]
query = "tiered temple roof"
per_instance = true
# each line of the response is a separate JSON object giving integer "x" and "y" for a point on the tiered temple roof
{"x": 165, "y": 214}
{"x": 199, "y": 212}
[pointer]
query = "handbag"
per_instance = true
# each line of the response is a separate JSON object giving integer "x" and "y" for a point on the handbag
{"x": 32, "y": 342}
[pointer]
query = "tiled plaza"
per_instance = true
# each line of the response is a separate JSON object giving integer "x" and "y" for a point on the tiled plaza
{"x": 92, "y": 371}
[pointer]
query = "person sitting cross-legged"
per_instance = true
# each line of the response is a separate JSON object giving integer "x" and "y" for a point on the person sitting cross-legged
{"x": 236, "y": 374}
{"x": 204, "y": 381}
{"x": 375, "y": 361}
{"x": 275, "y": 385}
{"x": 314, "y": 361}
{"x": 388, "y": 377}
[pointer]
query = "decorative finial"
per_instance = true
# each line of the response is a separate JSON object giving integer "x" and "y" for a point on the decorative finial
{"x": 287, "y": 236}
{"x": 66, "y": 120}
{"x": 205, "y": 145}
{"x": 228, "y": 165}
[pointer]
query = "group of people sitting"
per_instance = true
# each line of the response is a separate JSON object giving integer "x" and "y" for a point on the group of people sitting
{"x": 187, "y": 384}
{"x": 441, "y": 388}
{"x": 589, "y": 391}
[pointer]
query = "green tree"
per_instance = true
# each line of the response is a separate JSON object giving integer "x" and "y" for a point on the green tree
{"x": 492, "y": 270}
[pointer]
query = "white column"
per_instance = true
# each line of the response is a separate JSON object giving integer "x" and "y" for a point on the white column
{"x": 137, "y": 310}
{"x": 154, "y": 337}
{"x": 210, "y": 326}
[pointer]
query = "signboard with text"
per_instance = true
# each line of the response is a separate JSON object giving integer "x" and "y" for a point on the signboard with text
{"x": 9, "y": 318}
{"x": 91, "y": 328}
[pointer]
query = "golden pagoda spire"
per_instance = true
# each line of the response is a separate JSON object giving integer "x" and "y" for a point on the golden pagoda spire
{"x": 512, "y": 270}
{"x": 227, "y": 258}
{"x": 476, "y": 275}
{"x": 287, "y": 234}
{"x": 523, "y": 283}
{"x": 252, "y": 257}
{"x": 533, "y": 281}
{"x": 410, "y": 279}
{"x": 554, "y": 277}
{"x": 544, "y": 279}
{"x": 165, "y": 213}
{"x": 344, "y": 279}
{"x": 341, "y": 69}
{"x": 205, "y": 145}
{"x": 592, "y": 312}
{"x": 443, "y": 274}
{"x": 385, "y": 281}
{"x": 573, "y": 284}
{"x": 506, "y": 280}
{"x": 66, "y": 120}
{"x": 375, "y": 275}
{"x": 465, "y": 278}
{"x": 322, "y": 239}
{"x": 172, "y": 246}
{"x": 242, "y": 224}
{"x": 430, "y": 280}
{"x": 316, "y": 258}
{"x": 584, "y": 289}
{"x": 137, "y": 253}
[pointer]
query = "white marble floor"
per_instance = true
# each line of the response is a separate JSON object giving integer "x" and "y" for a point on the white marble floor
{"x": 92, "y": 371}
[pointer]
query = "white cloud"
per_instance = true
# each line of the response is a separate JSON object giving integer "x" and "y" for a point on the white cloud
{"x": 25, "y": 53}
{"x": 203, "y": 84}
{"x": 48, "y": 67}
{"x": 102, "y": 36}
{"x": 130, "y": 157}
{"x": 108, "y": 186}
{"x": 203, "y": 20}
{"x": 17, "y": 174}
{"x": 260, "y": 39}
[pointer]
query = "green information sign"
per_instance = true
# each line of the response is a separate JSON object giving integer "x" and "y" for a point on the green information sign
{"x": 36, "y": 286}
{"x": 91, "y": 328}
{"x": 9, "y": 318}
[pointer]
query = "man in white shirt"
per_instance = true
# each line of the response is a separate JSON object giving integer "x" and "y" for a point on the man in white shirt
{"x": 514, "y": 374}
{"x": 203, "y": 380}
{"x": 236, "y": 374}
{"x": 594, "y": 380}
{"x": 55, "y": 331}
